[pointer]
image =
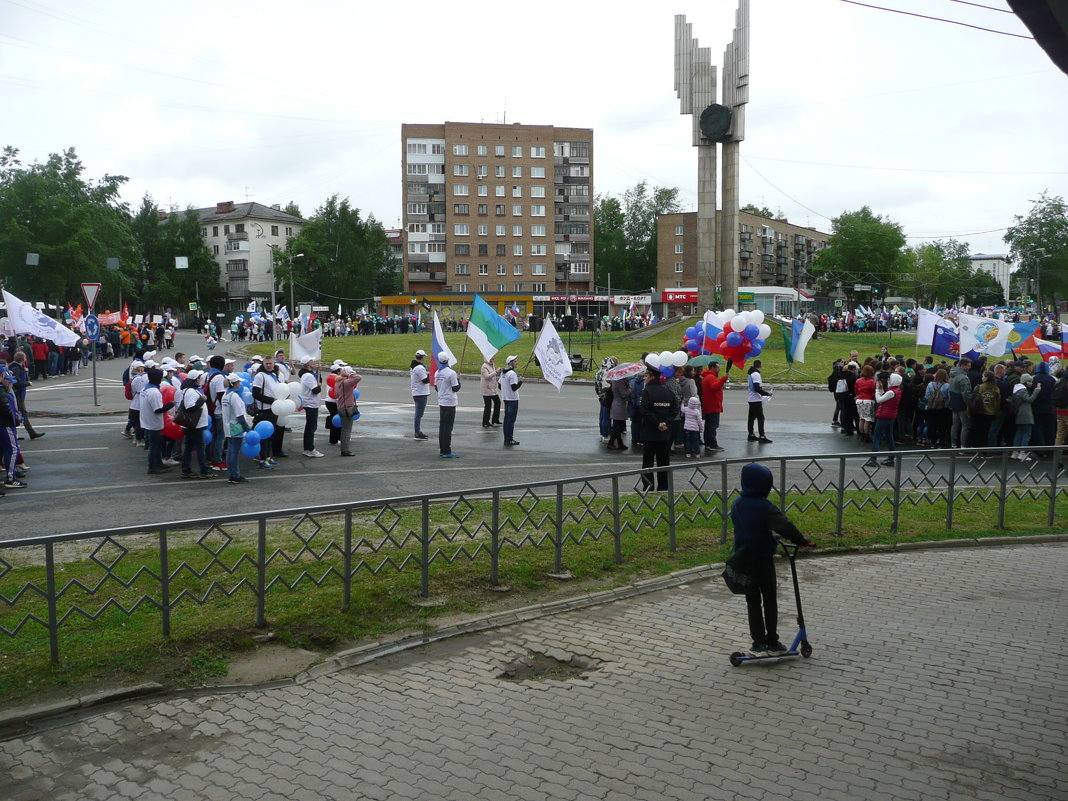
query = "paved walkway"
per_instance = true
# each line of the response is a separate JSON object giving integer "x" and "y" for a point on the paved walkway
{"x": 937, "y": 674}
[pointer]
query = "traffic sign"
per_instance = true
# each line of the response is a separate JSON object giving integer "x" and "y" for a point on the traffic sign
{"x": 92, "y": 327}
{"x": 862, "y": 287}
{"x": 90, "y": 291}
{"x": 838, "y": 303}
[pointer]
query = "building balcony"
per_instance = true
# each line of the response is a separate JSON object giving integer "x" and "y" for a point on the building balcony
{"x": 426, "y": 276}
{"x": 235, "y": 235}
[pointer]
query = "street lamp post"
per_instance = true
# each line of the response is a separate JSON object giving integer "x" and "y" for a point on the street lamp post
{"x": 289, "y": 260}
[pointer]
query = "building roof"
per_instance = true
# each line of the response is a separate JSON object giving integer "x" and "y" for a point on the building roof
{"x": 240, "y": 211}
{"x": 975, "y": 256}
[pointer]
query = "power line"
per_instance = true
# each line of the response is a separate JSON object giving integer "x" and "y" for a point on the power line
{"x": 795, "y": 200}
{"x": 979, "y": 5}
{"x": 937, "y": 19}
{"x": 905, "y": 169}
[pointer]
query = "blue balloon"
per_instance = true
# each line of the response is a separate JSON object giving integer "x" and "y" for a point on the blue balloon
{"x": 207, "y": 436}
{"x": 692, "y": 332}
{"x": 243, "y": 376}
{"x": 356, "y": 417}
{"x": 751, "y": 332}
{"x": 252, "y": 438}
{"x": 667, "y": 371}
{"x": 355, "y": 393}
{"x": 692, "y": 347}
{"x": 734, "y": 339}
{"x": 251, "y": 451}
{"x": 265, "y": 428}
{"x": 757, "y": 348}
{"x": 335, "y": 421}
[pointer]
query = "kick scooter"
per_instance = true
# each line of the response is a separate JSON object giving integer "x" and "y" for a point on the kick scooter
{"x": 800, "y": 645}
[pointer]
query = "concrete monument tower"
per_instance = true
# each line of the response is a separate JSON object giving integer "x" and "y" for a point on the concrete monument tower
{"x": 715, "y": 123}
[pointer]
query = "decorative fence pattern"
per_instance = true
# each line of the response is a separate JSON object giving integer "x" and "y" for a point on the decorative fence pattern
{"x": 63, "y": 581}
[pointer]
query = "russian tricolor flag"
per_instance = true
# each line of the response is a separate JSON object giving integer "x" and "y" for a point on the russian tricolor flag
{"x": 437, "y": 345}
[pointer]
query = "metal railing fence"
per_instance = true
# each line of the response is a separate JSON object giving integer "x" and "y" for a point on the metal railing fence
{"x": 53, "y": 582}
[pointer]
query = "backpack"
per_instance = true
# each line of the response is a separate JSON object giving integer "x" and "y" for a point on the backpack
{"x": 937, "y": 400}
{"x": 1060, "y": 393}
{"x": 607, "y": 397}
{"x": 841, "y": 386}
{"x": 129, "y": 390}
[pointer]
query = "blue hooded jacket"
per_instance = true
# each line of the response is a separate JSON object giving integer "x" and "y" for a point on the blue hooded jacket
{"x": 755, "y": 517}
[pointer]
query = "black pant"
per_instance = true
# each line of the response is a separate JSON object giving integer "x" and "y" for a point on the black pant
{"x": 491, "y": 404}
{"x": 848, "y": 416}
{"x": 756, "y": 413}
{"x": 446, "y": 420}
{"x": 273, "y": 445}
{"x": 619, "y": 428}
{"x": 761, "y": 602}
{"x": 660, "y": 451}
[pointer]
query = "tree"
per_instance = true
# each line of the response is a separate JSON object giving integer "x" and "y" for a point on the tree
{"x": 935, "y": 272}
{"x": 73, "y": 224}
{"x": 625, "y": 232}
{"x": 345, "y": 257}
{"x": 158, "y": 283}
{"x": 759, "y": 211}
{"x": 613, "y": 264}
{"x": 864, "y": 248}
{"x": 983, "y": 289}
{"x": 1039, "y": 244}
{"x": 293, "y": 208}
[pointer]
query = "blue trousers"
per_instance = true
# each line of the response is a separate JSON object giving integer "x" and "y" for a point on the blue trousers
{"x": 420, "y": 407}
{"x": 511, "y": 412}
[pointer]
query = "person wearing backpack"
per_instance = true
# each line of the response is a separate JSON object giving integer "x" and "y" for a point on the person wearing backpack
{"x": 1023, "y": 396}
{"x": 936, "y": 399}
{"x": 1045, "y": 429}
{"x": 988, "y": 404}
{"x": 845, "y": 398}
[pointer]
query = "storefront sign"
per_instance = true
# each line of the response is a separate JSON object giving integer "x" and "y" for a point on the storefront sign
{"x": 569, "y": 298}
{"x": 626, "y": 300}
{"x": 747, "y": 297}
{"x": 681, "y": 296}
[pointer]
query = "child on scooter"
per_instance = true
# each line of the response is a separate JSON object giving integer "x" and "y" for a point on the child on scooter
{"x": 755, "y": 518}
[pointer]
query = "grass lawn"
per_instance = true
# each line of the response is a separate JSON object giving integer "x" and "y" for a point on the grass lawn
{"x": 395, "y": 351}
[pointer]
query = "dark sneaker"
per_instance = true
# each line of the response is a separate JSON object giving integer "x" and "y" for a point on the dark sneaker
{"x": 511, "y": 442}
{"x": 764, "y": 441}
{"x": 238, "y": 480}
{"x": 189, "y": 475}
{"x": 776, "y": 648}
{"x": 888, "y": 462}
{"x": 15, "y": 484}
{"x": 420, "y": 436}
{"x": 871, "y": 463}
{"x": 754, "y": 438}
{"x": 759, "y": 648}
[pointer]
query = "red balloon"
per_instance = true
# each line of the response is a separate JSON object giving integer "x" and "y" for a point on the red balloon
{"x": 167, "y": 391}
{"x": 171, "y": 430}
{"x": 331, "y": 380}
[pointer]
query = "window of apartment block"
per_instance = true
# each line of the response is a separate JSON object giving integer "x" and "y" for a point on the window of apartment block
{"x": 438, "y": 149}
{"x": 518, "y": 287}
{"x": 537, "y": 211}
{"x": 517, "y": 191}
{"x": 498, "y": 150}
{"x": 417, "y": 147}
{"x": 537, "y": 172}
{"x": 239, "y": 228}
{"x": 538, "y": 250}
{"x": 517, "y": 230}
{"x": 483, "y": 190}
{"x": 537, "y": 191}
{"x": 679, "y": 248}
{"x": 582, "y": 267}
{"x": 461, "y": 229}
{"x": 537, "y": 152}
{"x": 459, "y": 190}
{"x": 501, "y": 250}
{"x": 498, "y": 191}
{"x": 463, "y": 209}
{"x": 437, "y": 228}
{"x": 483, "y": 269}
{"x": 517, "y": 171}
{"x": 498, "y": 171}
{"x": 517, "y": 151}
{"x": 417, "y": 169}
{"x": 214, "y": 250}
{"x": 501, "y": 230}
{"x": 459, "y": 150}
{"x": 498, "y": 210}
{"x": 517, "y": 210}
{"x": 416, "y": 208}
{"x": 481, "y": 150}
{"x": 537, "y": 269}
{"x": 678, "y": 266}
{"x": 483, "y": 250}
{"x": 517, "y": 269}
{"x": 274, "y": 230}
{"x": 459, "y": 169}
{"x": 435, "y": 247}
{"x": 463, "y": 269}
{"x": 462, "y": 250}
{"x": 417, "y": 247}
{"x": 226, "y": 229}
{"x": 502, "y": 269}
{"x": 536, "y": 287}
{"x": 483, "y": 287}
{"x": 483, "y": 229}
{"x": 483, "y": 210}
{"x": 678, "y": 284}
{"x": 214, "y": 230}
{"x": 481, "y": 171}
{"x": 463, "y": 287}
{"x": 678, "y": 230}
{"x": 537, "y": 230}
{"x": 289, "y": 230}
{"x": 204, "y": 233}
{"x": 517, "y": 250}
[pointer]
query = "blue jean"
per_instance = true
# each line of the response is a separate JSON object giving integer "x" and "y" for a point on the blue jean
{"x": 711, "y": 427}
{"x": 233, "y": 458}
{"x": 194, "y": 442}
{"x": 1023, "y": 436}
{"x": 420, "y": 407}
{"x": 154, "y": 439}
{"x": 218, "y": 439}
{"x": 884, "y": 429}
{"x": 511, "y": 412}
{"x": 604, "y": 420}
{"x": 693, "y": 441}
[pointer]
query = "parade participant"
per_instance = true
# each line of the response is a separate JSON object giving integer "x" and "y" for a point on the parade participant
{"x": 756, "y": 395}
{"x": 9, "y": 435}
{"x": 491, "y": 396}
{"x": 1023, "y": 396}
{"x": 601, "y": 386}
{"x": 447, "y": 384}
{"x": 754, "y": 518}
{"x": 215, "y": 386}
{"x": 233, "y": 420}
{"x": 864, "y": 389}
{"x": 331, "y": 404}
{"x": 280, "y": 363}
{"x": 420, "y": 390}
{"x": 191, "y": 398}
{"x": 619, "y": 394}
{"x": 960, "y": 395}
{"x": 888, "y": 401}
{"x": 152, "y": 414}
{"x": 712, "y": 405}
{"x": 659, "y": 408}
{"x": 510, "y": 384}
{"x": 263, "y": 386}
{"x": 21, "y": 381}
{"x": 347, "y": 409}
{"x": 692, "y": 423}
{"x": 845, "y": 398}
{"x": 310, "y": 399}
{"x": 138, "y": 381}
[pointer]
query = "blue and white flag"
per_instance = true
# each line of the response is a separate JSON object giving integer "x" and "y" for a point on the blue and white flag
{"x": 251, "y": 308}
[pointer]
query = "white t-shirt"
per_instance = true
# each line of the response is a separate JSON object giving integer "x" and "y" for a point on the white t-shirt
{"x": 137, "y": 383}
{"x": 509, "y": 377}
{"x": 233, "y": 408}
{"x": 752, "y": 395}
{"x": 267, "y": 382}
{"x": 283, "y": 371}
{"x": 419, "y": 375}
{"x": 189, "y": 398}
{"x": 309, "y": 399}
{"x": 151, "y": 399}
{"x": 216, "y": 387}
{"x": 444, "y": 381}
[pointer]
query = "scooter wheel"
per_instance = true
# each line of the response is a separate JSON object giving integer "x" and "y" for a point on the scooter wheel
{"x": 806, "y": 650}
{"x": 736, "y": 658}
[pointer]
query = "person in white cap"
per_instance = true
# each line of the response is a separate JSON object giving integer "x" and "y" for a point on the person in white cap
{"x": 510, "y": 384}
{"x": 192, "y": 399}
{"x": 310, "y": 399}
{"x": 233, "y": 420}
{"x": 138, "y": 381}
{"x": 489, "y": 382}
{"x": 447, "y": 383}
{"x": 263, "y": 386}
{"x": 347, "y": 409}
{"x": 331, "y": 403}
{"x": 420, "y": 390}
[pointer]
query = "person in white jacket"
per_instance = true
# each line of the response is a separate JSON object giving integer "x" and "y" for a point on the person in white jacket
{"x": 233, "y": 418}
{"x": 192, "y": 398}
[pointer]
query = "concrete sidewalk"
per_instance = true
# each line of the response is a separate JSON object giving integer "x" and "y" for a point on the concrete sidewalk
{"x": 935, "y": 675}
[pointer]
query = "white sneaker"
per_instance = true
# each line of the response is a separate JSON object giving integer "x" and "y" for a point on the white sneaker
{"x": 316, "y": 453}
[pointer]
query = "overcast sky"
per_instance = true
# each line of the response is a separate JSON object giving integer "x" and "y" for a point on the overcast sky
{"x": 945, "y": 129}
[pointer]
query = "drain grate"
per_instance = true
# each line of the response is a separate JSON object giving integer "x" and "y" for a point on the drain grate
{"x": 538, "y": 666}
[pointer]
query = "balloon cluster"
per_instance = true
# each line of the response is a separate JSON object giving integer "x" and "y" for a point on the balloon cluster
{"x": 743, "y": 336}
{"x": 698, "y": 339}
{"x": 667, "y": 362}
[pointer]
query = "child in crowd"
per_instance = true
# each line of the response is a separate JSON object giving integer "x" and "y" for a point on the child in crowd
{"x": 692, "y": 424}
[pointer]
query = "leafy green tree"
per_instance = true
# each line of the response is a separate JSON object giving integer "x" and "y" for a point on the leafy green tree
{"x": 159, "y": 285}
{"x": 864, "y": 248}
{"x": 345, "y": 257}
{"x": 1039, "y": 245}
{"x": 759, "y": 211}
{"x": 625, "y": 232}
{"x": 935, "y": 272}
{"x": 74, "y": 225}
{"x": 293, "y": 208}
{"x": 983, "y": 289}
{"x": 612, "y": 260}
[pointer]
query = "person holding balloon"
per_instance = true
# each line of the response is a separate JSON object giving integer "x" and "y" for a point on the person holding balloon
{"x": 310, "y": 394}
{"x": 192, "y": 399}
{"x": 235, "y": 427}
{"x": 266, "y": 389}
{"x": 345, "y": 388}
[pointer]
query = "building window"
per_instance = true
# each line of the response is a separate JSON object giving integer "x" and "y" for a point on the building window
{"x": 483, "y": 229}
{"x": 274, "y": 230}
{"x": 417, "y": 169}
{"x": 483, "y": 250}
{"x": 462, "y": 250}
{"x": 483, "y": 190}
{"x": 480, "y": 171}
{"x": 517, "y": 191}
{"x": 537, "y": 211}
{"x": 518, "y": 287}
{"x": 498, "y": 210}
{"x": 537, "y": 172}
{"x": 678, "y": 230}
{"x": 459, "y": 150}
{"x": 483, "y": 269}
{"x": 483, "y": 287}
{"x": 438, "y": 149}
{"x": 582, "y": 267}
{"x": 417, "y": 208}
{"x": 463, "y": 209}
{"x": 517, "y": 269}
{"x": 289, "y": 230}
{"x": 498, "y": 171}
{"x": 537, "y": 191}
{"x": 537, "y": 152}
{"x": 517, "y": 230}
{"x": 678, "y": 266}
{"x": 417, "y": 147}
{"x": 483, "y": 210}
{"x": 501, "y": 250}
{"x": 537, "y": 269}
{"x": 459, "y": 190}
{"x": 517, "y": 210}
{"x": 502, "y": 269}
{"x": 498, "y": 191}
{"x": 226, "y": 229}
{"x": 501, "y": 230}
{"x": 537, "y": 230}
{"x": 437, "y": 228}
{"x": 498, "y": 150}
{"x": 517, "y": 171}
{"x": 538, "y": 250}
{"x": 481, "y": 150}
{"x": 678, "y": 284}
{"x": 459, "y": 169}
{"x": 517, "y": 250}
{"x": 536, "y": 287}
{"x": 517, "y": 151}
{"x": 214, "y": 230}
{"x": 239, "y": 228}
{"x": 679, "y": 248}
{"x": 461, "y": 229}
{"x": 463, "y": 287}
{"x": 463, "y": 269}
{"x": 214, "y": 250}
{"x": 237, "y": 266}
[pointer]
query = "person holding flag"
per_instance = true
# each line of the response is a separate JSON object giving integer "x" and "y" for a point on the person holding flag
{"x": 510, "y": 384}
{"x": 420, "y": 390}
{"x": 447, "y": 383}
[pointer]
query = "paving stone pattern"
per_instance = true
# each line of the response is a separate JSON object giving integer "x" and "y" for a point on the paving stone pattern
{"x": 937, "y": 674}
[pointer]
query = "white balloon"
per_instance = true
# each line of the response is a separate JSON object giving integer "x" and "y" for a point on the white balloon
{"x": 291, "y": 406}
{"x": 653, "y": 360}
{"x": 727, "y": 314}
{"x": 294, "y": 390}
{"x": 679, "y": 358}
{"x": 665, "y": 357}
{"x": 281, "y": 391}
{"x": 765, "y": 331}
{"x": 756, "y": 317}
{"x": 279, "y": 408}
{"x": 738, "y": 323}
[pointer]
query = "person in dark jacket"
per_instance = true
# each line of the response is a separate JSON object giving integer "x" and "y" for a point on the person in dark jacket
{"x": 845, "y": 397}
{"x": 755, "y": 518}
{"x": 658, "y": 408}
{"x": 1045, "y": 430}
